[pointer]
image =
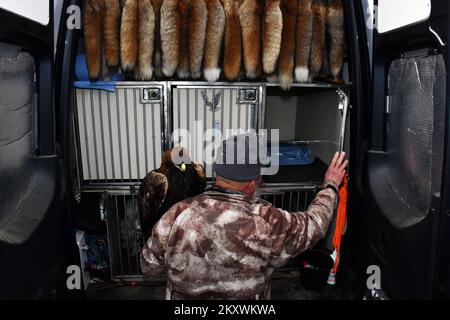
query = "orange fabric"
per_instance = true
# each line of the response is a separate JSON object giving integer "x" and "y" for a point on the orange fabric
{"x": 341, "y": 219}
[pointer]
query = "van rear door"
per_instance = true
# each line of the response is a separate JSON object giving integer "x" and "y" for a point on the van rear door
{"x": 31, "y": 211}
{"x": 407, "y": 199}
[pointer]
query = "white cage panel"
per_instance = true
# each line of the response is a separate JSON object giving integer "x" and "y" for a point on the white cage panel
{"x": 120, "y": 134}
{"x": 209, "y": 114}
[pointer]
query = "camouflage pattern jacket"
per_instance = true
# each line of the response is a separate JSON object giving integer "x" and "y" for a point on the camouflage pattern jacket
{"x": 223, "y": 245}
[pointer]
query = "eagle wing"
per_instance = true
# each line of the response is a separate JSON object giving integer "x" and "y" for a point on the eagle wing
{"x": 200, "y": 178}
{"x": 151, "y": 196}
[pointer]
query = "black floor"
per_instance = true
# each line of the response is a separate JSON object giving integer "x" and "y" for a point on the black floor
{"x": 285, "y": 286}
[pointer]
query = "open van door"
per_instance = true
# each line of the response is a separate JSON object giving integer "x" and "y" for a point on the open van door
{"x": 31, "y": 211}
{"x": 407, "y": 198}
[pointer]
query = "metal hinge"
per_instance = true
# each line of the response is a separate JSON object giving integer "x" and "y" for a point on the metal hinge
{"x": 388, "y": 105}
{"x": 343, "y": 99}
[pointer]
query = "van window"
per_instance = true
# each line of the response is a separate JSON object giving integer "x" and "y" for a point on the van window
{"x": 36, "y": 10}
{"x": 396, "y": 14}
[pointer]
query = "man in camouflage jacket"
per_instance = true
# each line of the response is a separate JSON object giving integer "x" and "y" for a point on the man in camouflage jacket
{"x": 225, "y": 243}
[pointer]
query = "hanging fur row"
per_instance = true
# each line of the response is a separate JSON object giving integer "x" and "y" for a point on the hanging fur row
{"x": 286, "y": 40}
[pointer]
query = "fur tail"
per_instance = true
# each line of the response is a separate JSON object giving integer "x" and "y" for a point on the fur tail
{"x": 272, "y": 29}
{"x": 129, "y": 35}
{"x": 106, "y": 74}
{"x": 233, "y": 40}
{"x": 170, "y": 36}
{"x": 250, "y": 14}
{"x": 157, "y": 55}
{"x": 146, "y": 39}
{"x": 213, "y": 42}
{"x": 93, "y": 37}
{"x": 318, "y": 40}
{"x": 304, "y": 37}
{"x": 287, "y": 52}
{"x": 336, "y": 32}
{"x": 183, "y": 65}
{"x": 197, "y": 34}
{"x": 111, "y": 27}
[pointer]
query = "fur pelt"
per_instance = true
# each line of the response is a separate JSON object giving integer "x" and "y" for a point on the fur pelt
{"x": 170, "y": 36}
{"x": 233, "y": 40}
{"x": 157, "y": 54}
{"x": 318, "y": 40}
{"x": 129, "y": 35}
{"x": 122, "y": 4}
{"x": 303, "y": 43}
{"x": 146, "y": 39}
{"x": 213, "y": 42}
{"x": 197, "y": 34}
{"x": 287, "y": 51}
{"x": 183, "y": 64}
{"x": 93, "y": 17}
{"x": 111, "y": 31}
{"x": 106, "y": 74}
{"x": 272, "y": 30}
{"x": 250, "y": 15}
{"x": 336, "y": 34}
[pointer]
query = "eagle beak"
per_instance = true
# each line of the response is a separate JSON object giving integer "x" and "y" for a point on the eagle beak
{"x": 182, "y": 167}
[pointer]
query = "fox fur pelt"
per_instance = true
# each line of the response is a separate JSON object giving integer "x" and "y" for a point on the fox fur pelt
{"x": 197, "y": 34}
{"x": 272, "y": 29}
{"x": 146, "y": 39}
{"x": 129, "y": 35}
{"x": 233, "y": 40}
{"x": 106, "y": 74}
{"x": 170, "y": 36}
{"x": 250, "y": 15}
{"x": 336, "y": 34}
{"x": 318, "y": 40}
{"x": 157, "y": 54}
{"x": 287, "y": 52}
{"x": 93, "y": 17}
{"x": 184, "y": 7}
{"x": 111, "y": 29}
{"x": 303, "y": 43}
{"x": 213, "y": 43}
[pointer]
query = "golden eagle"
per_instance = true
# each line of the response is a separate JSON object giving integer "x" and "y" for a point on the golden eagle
{"x": 173, "y": 182}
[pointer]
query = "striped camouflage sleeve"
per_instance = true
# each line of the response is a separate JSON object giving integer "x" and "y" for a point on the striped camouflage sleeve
{"x": 152, "y": 255}
{"x": 294, "y": 233}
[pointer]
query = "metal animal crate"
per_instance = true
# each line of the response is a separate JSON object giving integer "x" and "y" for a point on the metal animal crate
{"x": 120, "y": 135}
{"x": 125, "y": 238}
{"x": 210, "y": 114}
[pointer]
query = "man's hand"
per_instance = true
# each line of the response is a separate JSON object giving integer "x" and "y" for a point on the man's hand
{"x": 336, "y": 170}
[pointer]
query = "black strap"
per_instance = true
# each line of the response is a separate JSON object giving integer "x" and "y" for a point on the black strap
{"x": 330, "y": 186}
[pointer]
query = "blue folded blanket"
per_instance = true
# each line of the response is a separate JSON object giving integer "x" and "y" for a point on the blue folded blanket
{"x": 82, "y": 76}
{"x": 290, "y": 155}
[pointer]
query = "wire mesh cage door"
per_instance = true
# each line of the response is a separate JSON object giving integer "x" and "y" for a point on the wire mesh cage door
{"x": 203, "y": 116}
{"x": 120, "y": 134}
{"x": 124, "y": 235}
{"x": 291, "y": 199}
